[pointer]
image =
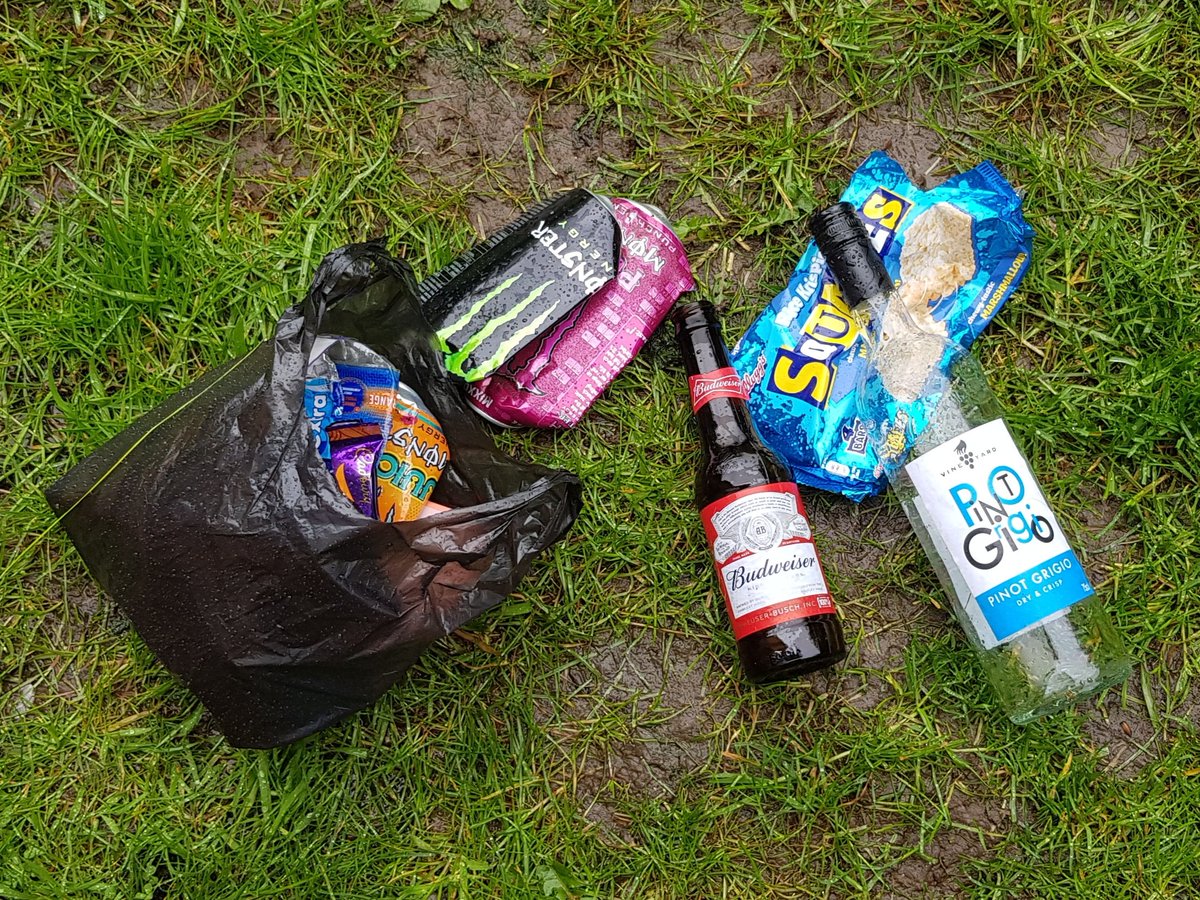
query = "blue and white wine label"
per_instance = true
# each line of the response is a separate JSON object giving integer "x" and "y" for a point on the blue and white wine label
{"x": 997, "y": 534}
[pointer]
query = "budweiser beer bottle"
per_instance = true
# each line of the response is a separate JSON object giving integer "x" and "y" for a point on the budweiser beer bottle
{"x": 782, "y": 614}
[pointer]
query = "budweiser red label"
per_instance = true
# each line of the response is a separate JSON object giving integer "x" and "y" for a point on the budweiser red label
{"x": 765, "y": 559}
{"x": 718, "y": 383}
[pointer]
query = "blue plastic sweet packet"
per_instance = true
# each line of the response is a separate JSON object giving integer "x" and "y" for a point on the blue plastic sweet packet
{"x": 958, "y": 252}
{"x": 322, "y": 405}
{"x": 347, "y": 383}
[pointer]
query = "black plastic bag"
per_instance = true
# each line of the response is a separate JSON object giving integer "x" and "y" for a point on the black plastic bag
{"x": 214, "y": 524}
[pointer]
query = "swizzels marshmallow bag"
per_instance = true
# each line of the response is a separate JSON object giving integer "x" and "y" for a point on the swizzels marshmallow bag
{"x": 958, "y": 251}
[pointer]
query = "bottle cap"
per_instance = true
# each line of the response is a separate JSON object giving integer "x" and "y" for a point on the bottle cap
{"x": 846, "y": 246}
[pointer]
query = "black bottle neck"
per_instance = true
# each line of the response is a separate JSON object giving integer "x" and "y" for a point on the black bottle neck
{"x": 855, "y": 263}
{"x": 724, "y": 422}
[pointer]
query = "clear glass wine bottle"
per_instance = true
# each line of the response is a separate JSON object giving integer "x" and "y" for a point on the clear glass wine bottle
{"x": 1041, "y": 633}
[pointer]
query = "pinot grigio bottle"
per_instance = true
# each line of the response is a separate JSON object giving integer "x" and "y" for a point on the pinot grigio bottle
{"x": 1028, "y": 608}
{"x": 1020, "y": 592}
{"x": 775, "y": 593}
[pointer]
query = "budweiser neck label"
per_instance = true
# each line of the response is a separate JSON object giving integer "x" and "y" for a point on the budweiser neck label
{"x": 717, "y": 383}
{"x": 765, "y": 559}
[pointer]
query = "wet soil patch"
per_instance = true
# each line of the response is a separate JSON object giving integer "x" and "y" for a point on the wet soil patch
{"x": 726, "y": 45}
{"x": 514, "y": 31}
{"x": 156, "y": 105}
{"x": 1106, "y": 540}
{"x": 897, "y": 128}
{"x": 867, "y": 550}
{"x": 636, "y": 718}
{"x": 1119, "y": 144}
{"x": 74, "y": 613}
{"x": 1133, "y": 733}
{"x": 971, "y": 822}
{"x": 476, "y": 133}
{"x": 46, "y": 197}
{"x": 1128, "y": 734}
{"x": 264, "y": 158}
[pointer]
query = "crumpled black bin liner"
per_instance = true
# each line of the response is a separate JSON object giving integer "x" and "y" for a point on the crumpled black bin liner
{"x": 214, "y": 524}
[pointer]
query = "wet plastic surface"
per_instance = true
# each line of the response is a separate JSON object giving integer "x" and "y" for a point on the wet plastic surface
{"x": 214, "y": 524}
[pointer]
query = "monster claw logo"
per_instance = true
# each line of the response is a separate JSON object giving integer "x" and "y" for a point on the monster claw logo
{"x": 520, "y": 282}
{"x": 506, "y": 340}
{"x": 531, "y": 362}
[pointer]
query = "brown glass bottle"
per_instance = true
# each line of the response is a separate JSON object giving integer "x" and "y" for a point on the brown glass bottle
{"x": 775, "y": 594}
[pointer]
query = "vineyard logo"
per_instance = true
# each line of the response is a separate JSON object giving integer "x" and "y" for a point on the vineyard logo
{"x": 965, "y": 456}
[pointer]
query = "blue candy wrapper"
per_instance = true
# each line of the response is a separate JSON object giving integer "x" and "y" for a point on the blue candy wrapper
{"x": 323, "y": 405}
{"x": 367, "y": 394}
{"x": 802, "y": 360}
{"x": 347, "y": 383}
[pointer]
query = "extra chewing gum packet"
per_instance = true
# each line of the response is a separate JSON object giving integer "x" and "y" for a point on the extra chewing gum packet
{"x": 958, "y": 252}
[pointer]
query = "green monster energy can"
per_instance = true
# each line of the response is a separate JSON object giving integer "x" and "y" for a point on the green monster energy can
{"x": 499, "y": 296}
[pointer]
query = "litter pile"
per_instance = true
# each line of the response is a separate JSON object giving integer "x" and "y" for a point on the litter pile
{"x": 293, "y": 530}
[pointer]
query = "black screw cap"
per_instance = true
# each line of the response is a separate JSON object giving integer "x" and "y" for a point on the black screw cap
{"x": 846, "y": 246}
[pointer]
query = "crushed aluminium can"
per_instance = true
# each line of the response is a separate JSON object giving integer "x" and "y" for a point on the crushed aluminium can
{"x": 498, "y": 297}
{"x": 553, "y": 381}
{"x": 411, "y": 460}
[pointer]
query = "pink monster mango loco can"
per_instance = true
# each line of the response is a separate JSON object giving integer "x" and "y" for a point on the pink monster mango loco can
{"x": 553, "y": 380}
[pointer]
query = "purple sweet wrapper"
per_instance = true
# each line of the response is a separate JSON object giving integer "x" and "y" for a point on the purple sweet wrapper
{"x": 353, "y": 448}
{"x": 552, "y": 381}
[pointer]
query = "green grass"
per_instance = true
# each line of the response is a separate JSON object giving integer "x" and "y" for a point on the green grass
{"x": 171, "y": 173}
